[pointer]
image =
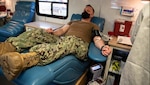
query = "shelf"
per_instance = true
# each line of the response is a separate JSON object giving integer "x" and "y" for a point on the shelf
{"x": 116, "y": 67}
{"x": 115, "y": 61}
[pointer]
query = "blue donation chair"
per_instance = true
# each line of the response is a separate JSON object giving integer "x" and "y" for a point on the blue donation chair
{"x": 66, "y": 70}
{"x": 24, "y": 13}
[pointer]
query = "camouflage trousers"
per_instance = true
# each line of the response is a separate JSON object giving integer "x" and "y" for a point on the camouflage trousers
{"x": 50, "y": 47}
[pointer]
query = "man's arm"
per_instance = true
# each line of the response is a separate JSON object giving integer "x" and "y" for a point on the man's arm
{"x": 99, "y": 43}
{"x": 59, "y": 31}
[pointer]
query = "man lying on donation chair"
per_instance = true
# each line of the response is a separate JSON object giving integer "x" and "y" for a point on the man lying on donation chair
{"x": 48, "y": 45}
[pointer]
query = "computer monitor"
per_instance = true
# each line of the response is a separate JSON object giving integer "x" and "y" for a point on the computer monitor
{"x": 59, "y": 9}
{"x": 44, "y": 8}
{"x": 52, "y": 8}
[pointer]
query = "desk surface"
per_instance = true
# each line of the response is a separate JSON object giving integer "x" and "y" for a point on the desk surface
{"x": 113, "y": 42}
{"x": 43, "y": 25}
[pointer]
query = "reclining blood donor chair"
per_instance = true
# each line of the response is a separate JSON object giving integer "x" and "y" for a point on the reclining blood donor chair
{"x": 66, "y": 70}
{"x": 24, "y": 13}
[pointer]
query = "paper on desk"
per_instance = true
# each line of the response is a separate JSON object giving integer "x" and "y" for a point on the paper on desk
{"x": 124, "y": 40}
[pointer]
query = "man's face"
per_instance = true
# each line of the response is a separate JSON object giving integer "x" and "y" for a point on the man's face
{"x": 89, "y": 10}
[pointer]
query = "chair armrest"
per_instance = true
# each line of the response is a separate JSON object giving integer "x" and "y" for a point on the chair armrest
{"x": 95, "y": 54}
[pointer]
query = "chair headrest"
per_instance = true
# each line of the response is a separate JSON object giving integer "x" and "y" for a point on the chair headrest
{"x": 25, "y": 5}
{"x": 97, "y": 20}
{"x": 24, "y": 12}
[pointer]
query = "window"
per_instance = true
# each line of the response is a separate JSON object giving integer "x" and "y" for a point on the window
{"x": 52, "y": 8}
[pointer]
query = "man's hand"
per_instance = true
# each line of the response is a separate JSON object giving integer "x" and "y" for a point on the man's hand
{"x": 99, "y": 43}
{"x": 106, "y": 50}
{"x": 49, "y": 30}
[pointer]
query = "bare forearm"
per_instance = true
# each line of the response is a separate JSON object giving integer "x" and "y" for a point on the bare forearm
{"x": 61, "y": 31}
{"x": 99, "y": 43}
{"x": 58, "y": 32}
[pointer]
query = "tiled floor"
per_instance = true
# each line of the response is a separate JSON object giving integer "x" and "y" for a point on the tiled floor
{"x": 4, "y": 81}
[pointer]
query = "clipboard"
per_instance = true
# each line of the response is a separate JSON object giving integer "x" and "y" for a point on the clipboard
{"x": 124, "y": 40}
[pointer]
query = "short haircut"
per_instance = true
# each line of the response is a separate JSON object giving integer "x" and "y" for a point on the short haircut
{"x": 91, "y": 7}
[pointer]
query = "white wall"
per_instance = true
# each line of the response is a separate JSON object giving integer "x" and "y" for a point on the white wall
{"x": 111, "y": 14}
{"x": 102, "y": 9}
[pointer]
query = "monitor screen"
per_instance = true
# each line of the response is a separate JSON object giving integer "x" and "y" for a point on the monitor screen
{"x": 96, "y": 67}
{"x": 55, "y": 0}
{"x": 52, "y": 8}
{"x": 45, "y": 8}
{"x": 59, "y": 9}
